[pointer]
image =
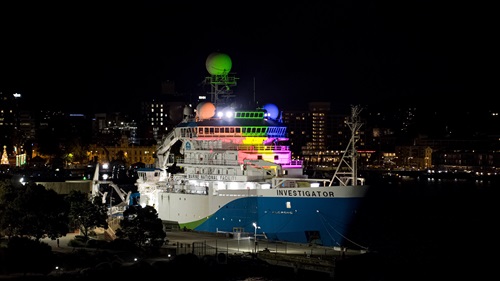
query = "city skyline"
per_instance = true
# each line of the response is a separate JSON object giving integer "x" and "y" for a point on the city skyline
{"x": 467, "y": 134}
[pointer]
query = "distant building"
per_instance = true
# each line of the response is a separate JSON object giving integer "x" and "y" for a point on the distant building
{"x": 129, "y": 153}
{"x": 108, "y": 129}
{"x": 391, "y": 137}
{"x": 319, "y": 136}
{"x": 161, "y": 114}
{"x": 16, "y": 127}
{"x": 473, "y": 154}
{"x": 413, "y": 157}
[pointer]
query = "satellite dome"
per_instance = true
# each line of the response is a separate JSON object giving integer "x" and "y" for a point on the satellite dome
{"x": 175, "y": 112}
{"x": 218, "y": 64}
{"x": 187, "y": 111}
{"x": 205, "y": 110}
{"x": 272, "y": 110}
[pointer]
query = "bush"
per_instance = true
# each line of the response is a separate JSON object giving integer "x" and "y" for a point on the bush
{"x": 76, "y": 243}
{"x": 81, "y": 238}
{"x": 26, "y": 255}
{"x": 120, "y": 244}
{"x": 99, "y": 244}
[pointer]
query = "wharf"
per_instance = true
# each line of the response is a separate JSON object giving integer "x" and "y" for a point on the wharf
{"x": 298, "y": 257}
{"x": 224, "y": 249}
{"x": 184, "y": 241}
{"x": 299, "y": 262}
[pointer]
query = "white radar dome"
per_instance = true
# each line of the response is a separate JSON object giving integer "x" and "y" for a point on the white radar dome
{"x": 187, "y": 111}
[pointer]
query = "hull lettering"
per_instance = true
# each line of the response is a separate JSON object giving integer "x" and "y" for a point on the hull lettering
{"x": 304, "y": 193}
{"x": 211, "y": 177}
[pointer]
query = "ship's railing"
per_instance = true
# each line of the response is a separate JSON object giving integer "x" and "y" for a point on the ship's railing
{"x": 264, "y": 147}
{"x": 232, "y": 131}
{"x": 285, "y": 182}
{"x": 225, "y": 162}
{"x": 294, "y": 164}
{"x": 163, "y": 185}
{"x": 220, "y": 162}
{"x": 215, "y": 145}
{"x": 243, "y": 243}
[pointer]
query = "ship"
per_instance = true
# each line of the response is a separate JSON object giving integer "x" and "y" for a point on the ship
{"x": 227, "y": 169}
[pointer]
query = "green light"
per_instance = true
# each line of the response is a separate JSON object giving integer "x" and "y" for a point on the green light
{"x": 218, "y": 64}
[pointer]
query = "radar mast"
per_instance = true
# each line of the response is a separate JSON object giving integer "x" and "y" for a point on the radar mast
{"x": 347, "y": 171}
{"x": 221, "y": 81}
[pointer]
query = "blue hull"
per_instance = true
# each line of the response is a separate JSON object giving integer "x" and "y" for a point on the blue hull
{"x": 321, "y": 221}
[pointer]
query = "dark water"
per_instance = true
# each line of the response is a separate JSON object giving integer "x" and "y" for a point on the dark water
{"x": 421, "y": 230}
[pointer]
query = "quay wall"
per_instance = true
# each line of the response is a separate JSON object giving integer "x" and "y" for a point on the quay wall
{"x": 65, "y": 187}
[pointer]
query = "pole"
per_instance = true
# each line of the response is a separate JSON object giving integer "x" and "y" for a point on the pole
{"x": 111, "y": 204}
{"x": 254, "y": 90}
{"x": 255, "y": 240}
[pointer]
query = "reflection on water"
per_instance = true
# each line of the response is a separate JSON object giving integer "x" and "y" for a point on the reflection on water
{"x": 432, "y": 224}
{"x": 420, "y": 229}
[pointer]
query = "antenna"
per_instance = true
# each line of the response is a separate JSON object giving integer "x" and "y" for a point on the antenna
{"x": 350, "y": 174}
{"x": 220, "y": 79}
{"x": 254, "y": 90}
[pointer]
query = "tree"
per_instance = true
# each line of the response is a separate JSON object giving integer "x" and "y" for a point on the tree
{"x": 86, "y": 213}
{"x": 48, "y": 142}
{"x": 142, "y": 227}
{"x": 77, "y": 151}
{"x": 33, "y": 211}
{"x": 7, "y": 194}
{"x": 27, "y": 255}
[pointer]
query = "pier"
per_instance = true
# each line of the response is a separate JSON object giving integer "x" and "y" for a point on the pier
{"x": 293, "y": 256}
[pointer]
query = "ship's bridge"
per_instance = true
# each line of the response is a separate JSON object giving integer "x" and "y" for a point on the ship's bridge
{"x": 239, "y": 124}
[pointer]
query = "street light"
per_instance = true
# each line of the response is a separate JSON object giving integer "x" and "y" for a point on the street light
{"x": 255, "y": 236}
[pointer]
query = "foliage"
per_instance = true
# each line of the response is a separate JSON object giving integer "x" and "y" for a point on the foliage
{"x": 77, "y": 150}
{"x": 75, "y": 243}
{"x": 63, "y": 139}
{"x": 29, "y": 256}
{"x": 143, "y": 228}
{"x": 86, "y": 213}
{"x": 33, "y": 211}
{"x": 7, "y": 194}
{"x": 120, "y": 244}
{"x": 48, "y": 143}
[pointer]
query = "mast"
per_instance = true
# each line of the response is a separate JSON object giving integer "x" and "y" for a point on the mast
{"x": 347, "y": 171}
{"x": 221, "y": 80}
{"x": 221, "y": 88}
{"x": 254, "y": 91}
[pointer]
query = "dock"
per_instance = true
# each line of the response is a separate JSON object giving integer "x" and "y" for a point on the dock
{"x": 225, "y": 249}
{"x": 297, "y": 257}
{"x": 299, "y": 262}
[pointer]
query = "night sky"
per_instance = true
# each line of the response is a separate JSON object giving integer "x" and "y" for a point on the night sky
{"x": 103, "y": 56}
